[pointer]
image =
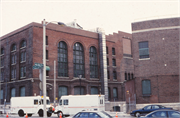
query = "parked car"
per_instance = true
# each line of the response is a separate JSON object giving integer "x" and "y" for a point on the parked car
{"x": 92, "y": 114}
{"x": 164, "y": 113}
{"x": 147, "y": 109}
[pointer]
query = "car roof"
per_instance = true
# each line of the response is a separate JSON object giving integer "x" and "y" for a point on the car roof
{"x": 91, "y": 111}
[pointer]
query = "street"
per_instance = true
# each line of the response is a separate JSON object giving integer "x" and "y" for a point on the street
{"x": 113, "y": 114}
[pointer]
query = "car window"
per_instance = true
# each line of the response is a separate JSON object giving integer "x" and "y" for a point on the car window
{"x": 147, "y": 107}
{"x": 77, "y": 115}
{"x": 65, "y": 102}
{"x": 174, "y": 114}
{"x": 83, "y": 115}
{"x": 159, "y": 114}
{"x": 60, "y": 102}
{"x": 93, "y": 115}
{"x": 155, "y": 107}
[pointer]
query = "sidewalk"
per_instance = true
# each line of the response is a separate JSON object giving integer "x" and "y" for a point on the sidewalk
{"x": 120, "y": 114}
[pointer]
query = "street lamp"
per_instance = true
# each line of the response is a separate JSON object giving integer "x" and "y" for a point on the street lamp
{"x": 80, "y": 82}
{"x": 44, "y": 62}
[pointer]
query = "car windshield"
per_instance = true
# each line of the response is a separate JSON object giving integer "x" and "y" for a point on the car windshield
{"x": 47, "y": 102}
{"x": 104, "y": 114}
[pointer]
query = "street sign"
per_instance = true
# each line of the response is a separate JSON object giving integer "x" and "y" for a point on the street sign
{"x": 37, "y": 66}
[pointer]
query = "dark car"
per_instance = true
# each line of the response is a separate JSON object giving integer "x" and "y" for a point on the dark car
{"x": 164, "y": 113}
{"x": 147, "y": 109}
{"x": 92, "y": 114}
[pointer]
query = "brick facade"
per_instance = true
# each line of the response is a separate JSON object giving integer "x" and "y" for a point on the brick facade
{"x": 32, "y": 34}
{"x": 162, "y": 66}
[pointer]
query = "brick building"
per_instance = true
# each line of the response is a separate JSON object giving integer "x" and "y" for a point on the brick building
{"x": 101, "y": 60}
{"x": 155, "y": 47}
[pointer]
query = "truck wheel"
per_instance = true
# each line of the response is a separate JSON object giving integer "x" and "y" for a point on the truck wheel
{"x": 29, "y": 115}
{"x": 40, "y": 113}
{"x": 59, "y": 114}
{"x": 49, "y": 114}
{"x": 21, "y": 113}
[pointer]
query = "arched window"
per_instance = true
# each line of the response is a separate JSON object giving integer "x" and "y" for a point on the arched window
{"x": 62, "y": 60}
{"x": 23, "y": 44}
{"x": 94, "y": 90}
{"x": 77, "y": 90}
{"x": 13, "y": 92}
{"x": 93, "y": 62}
{"x": 2, "y": 51}
{"x": 22, "y": 91}
{"x": 78, "y": 59}
{"x": 13, "y": 48}
{"x": 62, "y": 90}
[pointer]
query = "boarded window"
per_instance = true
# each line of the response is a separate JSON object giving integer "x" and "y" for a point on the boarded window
{"x": 94, "y": 90}
{"x": 63, "y": 91}
{"x": 146, "y": 87}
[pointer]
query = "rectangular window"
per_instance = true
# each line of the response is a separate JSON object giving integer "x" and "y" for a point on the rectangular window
{"x": 1, "y": 94}
{"x": 143, "y": 50}
{"x": 114, "y": 62}
{"x": 108, "y": 61}
{"x": 106, "y": 50}
{"x": 65, "y": 102}
{"x": 108, "y": 74}
{"x": 35, "y": 102}
{"x": 146, "y": 87}
{"x": 46, "y": 54}
{"x": 113, "y": 51}
{"x": 46, "y": 40}
{"x": 114, "y": 92}
{"x": 114, "y": 75}
{"x": 47, "y": 73}
{"x": 23, "y": 72}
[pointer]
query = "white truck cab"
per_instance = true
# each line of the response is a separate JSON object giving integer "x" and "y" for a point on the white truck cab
{"x": 72, "y": 104}
{"x": 30, "y": 105}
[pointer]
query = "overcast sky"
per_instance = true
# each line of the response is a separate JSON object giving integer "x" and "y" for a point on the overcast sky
{"x": 112, "y": 16}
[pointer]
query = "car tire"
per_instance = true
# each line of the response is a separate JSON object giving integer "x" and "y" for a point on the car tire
{"x": 21, "y": 113}
{"x": 40, "y": 112}
{"x": 29, "y": 115}
{"x": 137, "y": 114}
{"x": 49, "y": 114}
{"x": 58, "y": 114}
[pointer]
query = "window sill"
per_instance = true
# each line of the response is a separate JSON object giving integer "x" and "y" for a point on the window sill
{"x": 22, "y": 61}
{"x": 114, "y": 66}
{"x": 2, "y": 66}
{"x": 13, "y": 64}
{"x": 94, "y": 79}
{"x": 47, "y": 59}
{"x": 114, "y": 79}
{"x": 22, "y": 47}
{"x": 63, "y": 77}
{"x": 13, "y": 79}
{"x": 22, "y": 77}
{"x": 149, "y": 95}
{"x": 13, "y": 51}
{"x": 2, "y": 55}
{"x": 144, "y": 59}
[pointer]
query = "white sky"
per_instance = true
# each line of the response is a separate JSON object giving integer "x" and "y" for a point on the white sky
{"x": 112, "y": 16}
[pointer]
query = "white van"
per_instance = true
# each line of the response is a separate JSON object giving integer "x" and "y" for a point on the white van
{"x": 70, "y": 105}
{"x": 30, "y": 105}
